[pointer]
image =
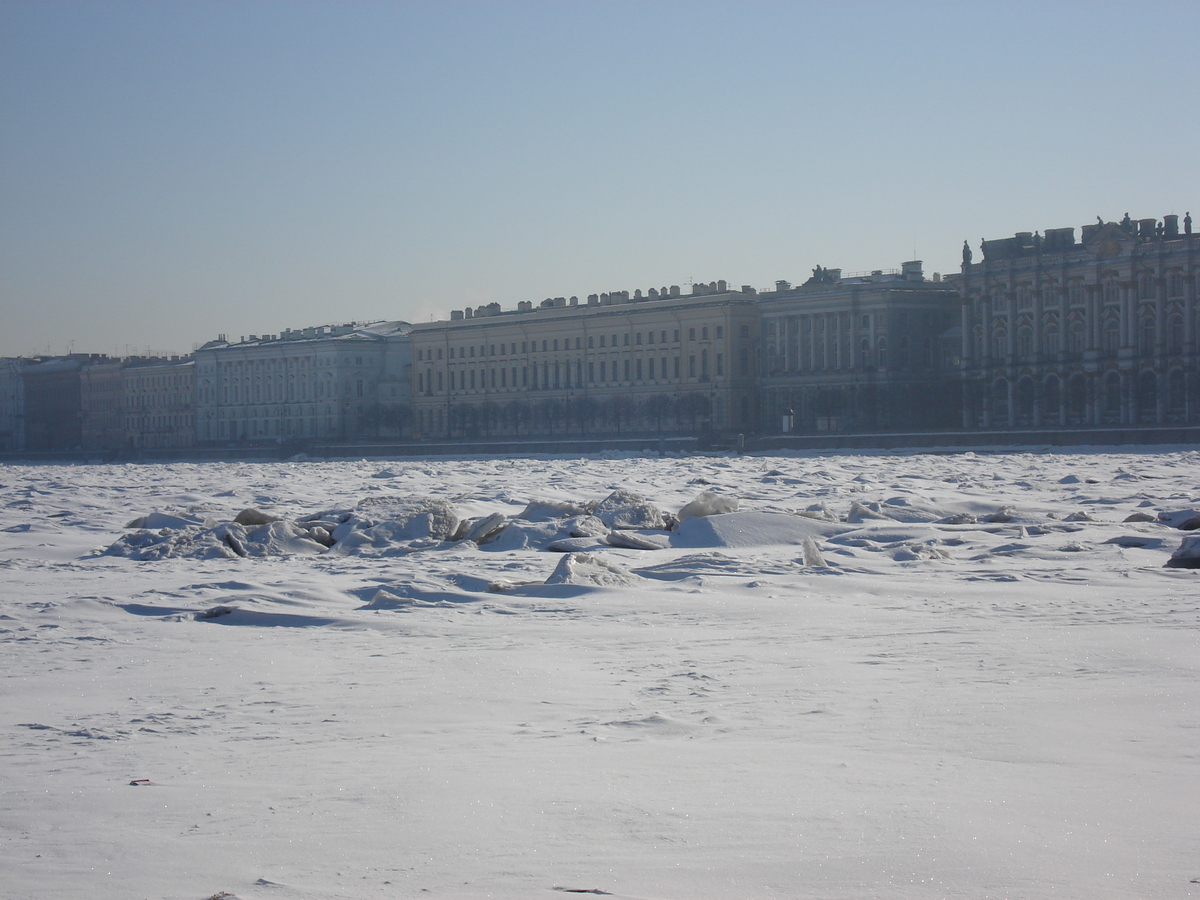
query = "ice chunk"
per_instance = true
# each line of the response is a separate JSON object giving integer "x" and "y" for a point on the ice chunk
{"x": 749, "y": 529}
{"x": 1183, "y": 519}
{"x": 486, "y": 528}
{"x": 589, "y": 569}
{"x": 156, "y": 521}
{"x": 251, "y": 516}
{"x": 1187, "y": 555}
{"x": 387, "y": 523}
{"x": 625, "y": 509}
{"x": 708, "y": 503}
{"x": 635, "y": 540}
{"x": 811, "y": 553}
{"x": 860, "y": 513}
{"x": 547, "y": 510}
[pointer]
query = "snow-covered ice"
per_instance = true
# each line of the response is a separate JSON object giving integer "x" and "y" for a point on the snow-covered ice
{"x": 845, "y": 676}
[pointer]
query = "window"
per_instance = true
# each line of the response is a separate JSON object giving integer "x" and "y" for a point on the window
{"x": 691, "y": 334}
{"x": 591, "y": 342}
{"x": 1175, "y": 334}
{"x": 472, "y": 351}
{"x": 650, "y": 337}
{"x": 626, "y": 369}
{"x": 1110, "y": 292}
{"x": 720, "y": 332}
{"x": 543, "y": 346}
{"x": 720, "y": 364}
{"x": 1146, "y": 335}
{"x": 602, "y": 340}
{"x": 627, "y": 339}
{"x": 639, "y": 367}
{"x": 556, "y": 343}
{"x": 1075, "y": 336}
{"x": 650, "y": 368}
{"x": 704, "y": 333}
{"x": 676, "y": 335}
{"x": 1075, "y": 293}
{"x": 677, "y": 367}
{"x": 1112, "y": 335}
{"x": 745, "y": 331}
{"x": 691, "y": 367}
{"x": 1050, "y": 339}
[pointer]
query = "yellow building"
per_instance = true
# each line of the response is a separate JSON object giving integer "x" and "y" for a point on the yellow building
{"x": 659, "y": 363}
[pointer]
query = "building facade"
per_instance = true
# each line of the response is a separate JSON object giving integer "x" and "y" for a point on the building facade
{"x": 659, "y": 363}
{"x": 12, "y": 404}
{"x": 102, "y": 405}
{"x": 158, "y": 403}
{"x": 331, "y": 383}
{"x": 1099, "y": 332}
{"x": 53, "y": 401}
{"x": 870, "y": 352}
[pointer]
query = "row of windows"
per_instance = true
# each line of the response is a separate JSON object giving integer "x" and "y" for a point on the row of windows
{"x": 1110, "y": 337}
{"x": 1145, "y": 288}
{"x": 593, "y": 342}
{"x": 564, "y": 375}
{"x": 277, "y": 363}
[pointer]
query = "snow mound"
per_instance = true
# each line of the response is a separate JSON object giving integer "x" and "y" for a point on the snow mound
{"x": 225, "y": 541}
{"x": 860, "y": 512}
{"x": 592, "y": 570}
{"x": 1183, "y": 519}
{"x": 708, "y": 503}
{"x": 625, "y": 509}
{"x": 749, "y": 529}
{"x": 156, "y": 521}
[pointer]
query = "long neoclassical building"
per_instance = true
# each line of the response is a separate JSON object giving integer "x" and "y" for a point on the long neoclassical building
{"x": 662, "y": 362}
{"x": 1096, "y": 332}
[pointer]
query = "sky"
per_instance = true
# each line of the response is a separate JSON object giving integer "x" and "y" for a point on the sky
{"x": 170, "y": 171}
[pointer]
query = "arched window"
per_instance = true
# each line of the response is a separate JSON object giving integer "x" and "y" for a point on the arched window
{"x": 1176, "y": 397}
{"x": 881, "y": 353}
{"x": 1049, "y": 295}
{"x": 999, "y": 344}
{"x": 1051, "y": 401}
{"x": 1175, "y": 333}
{"x": 1025, "y": 297}
{"x": 1075, "y": 336}
{"x": 1111, "y": 290}
{"x": 1146, "y": 286}
{"x": 1112, "y": 334}
{"x": 1175, "y": 285}
{"x": 1146, "y": 335}
{"x": 1050, "y": 343}
{"x": 1000, "y": 401}
{"x": 1075, "y": 293}
{"x": 1025, "y": 340}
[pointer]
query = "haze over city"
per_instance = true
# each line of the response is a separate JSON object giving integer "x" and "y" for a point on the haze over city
{"x": 169, "y": 172}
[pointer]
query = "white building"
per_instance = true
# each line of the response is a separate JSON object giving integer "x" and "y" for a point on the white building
{"x": 342, "y": 382}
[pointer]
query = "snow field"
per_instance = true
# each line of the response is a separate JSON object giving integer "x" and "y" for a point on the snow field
{"x": 1003, "y": 708}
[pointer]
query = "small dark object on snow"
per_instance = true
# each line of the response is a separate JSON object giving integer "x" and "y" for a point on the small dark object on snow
{"x": 215, "y": 611}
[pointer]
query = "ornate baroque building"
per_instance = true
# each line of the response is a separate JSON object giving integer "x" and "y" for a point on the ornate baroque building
{"x": 658, "y": 363}
{"x": 870, "y": 352}
{"x": 1100, "y": 332}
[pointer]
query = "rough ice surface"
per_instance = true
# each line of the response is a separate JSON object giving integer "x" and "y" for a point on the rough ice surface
{"x": 981, "y": 694}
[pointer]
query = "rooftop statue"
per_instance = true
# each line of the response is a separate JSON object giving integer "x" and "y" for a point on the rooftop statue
{"x": 966, "y": 254}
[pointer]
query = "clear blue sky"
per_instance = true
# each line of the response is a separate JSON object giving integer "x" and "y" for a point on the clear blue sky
{"x": 172, "y": 170}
